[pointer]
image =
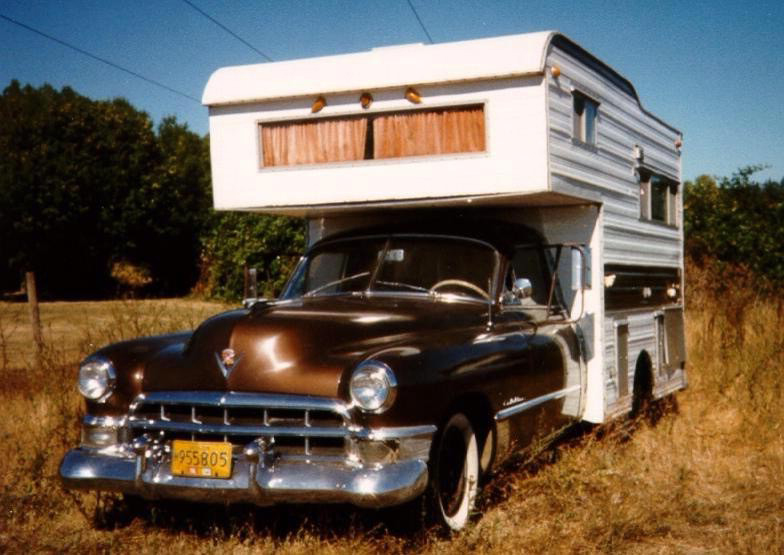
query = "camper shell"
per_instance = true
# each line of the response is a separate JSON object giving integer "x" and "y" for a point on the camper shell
{"x": 495, "y": 240}
{"x": 559, "y": 141}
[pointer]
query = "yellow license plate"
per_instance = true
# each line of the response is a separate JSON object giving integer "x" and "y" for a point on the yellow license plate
{"x": 202, "y": 459}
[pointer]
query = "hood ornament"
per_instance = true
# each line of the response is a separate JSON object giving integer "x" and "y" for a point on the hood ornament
{"x": 227, "y": 361}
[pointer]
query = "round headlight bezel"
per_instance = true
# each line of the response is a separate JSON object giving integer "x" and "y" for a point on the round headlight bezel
{"x": 377, "y": 376}
{"x": 97, "y": 379}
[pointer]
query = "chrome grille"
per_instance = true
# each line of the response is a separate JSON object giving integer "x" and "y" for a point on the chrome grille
{"x": 295, "y": 425}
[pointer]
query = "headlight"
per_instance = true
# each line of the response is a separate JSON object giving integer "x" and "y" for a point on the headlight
{"x": 97, "y": 378}
{"x": 373, "y": 386}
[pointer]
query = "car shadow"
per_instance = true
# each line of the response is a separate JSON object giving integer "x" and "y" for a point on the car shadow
{"x": 548, "y": 451}
{"x": 241, "y": 521}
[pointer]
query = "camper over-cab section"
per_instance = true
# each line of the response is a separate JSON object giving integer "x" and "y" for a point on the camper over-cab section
{"x": 473, "y": 121}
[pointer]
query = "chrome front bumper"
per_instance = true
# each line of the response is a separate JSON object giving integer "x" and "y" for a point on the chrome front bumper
{"x": 260, "y": 479}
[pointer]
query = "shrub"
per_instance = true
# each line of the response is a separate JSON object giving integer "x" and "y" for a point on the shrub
{"x": 732, "y": 222}
{"x": 235, "y": 241}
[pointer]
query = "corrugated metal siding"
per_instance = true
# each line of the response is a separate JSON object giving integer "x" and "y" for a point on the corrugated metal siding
{"x": 607, "y": 172}
{"x": 642, "y": 337}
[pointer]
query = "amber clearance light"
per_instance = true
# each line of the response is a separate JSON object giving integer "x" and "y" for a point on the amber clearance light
{"x": 366, "y": 100}
{"x": 318, "y": 104}
{"x": 412, "y": 95}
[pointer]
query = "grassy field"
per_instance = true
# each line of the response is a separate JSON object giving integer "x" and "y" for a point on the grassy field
{"x": 706, "y": 478}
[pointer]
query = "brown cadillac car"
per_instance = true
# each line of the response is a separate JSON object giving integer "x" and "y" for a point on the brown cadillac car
{"x": 397, "y": 363}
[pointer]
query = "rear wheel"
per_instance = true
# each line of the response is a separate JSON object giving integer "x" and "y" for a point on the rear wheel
{"x": 642, "y": 393}
{"x": 455, "y": 479}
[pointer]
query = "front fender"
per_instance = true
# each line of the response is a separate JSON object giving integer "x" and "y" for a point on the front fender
{"x": 129, "y": 359}
{"x": 433, "y": 375}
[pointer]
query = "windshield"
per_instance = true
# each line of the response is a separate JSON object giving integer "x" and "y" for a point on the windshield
{"x": 399, "y": 264}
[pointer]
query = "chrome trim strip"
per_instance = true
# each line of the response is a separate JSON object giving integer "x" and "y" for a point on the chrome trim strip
{"x": 265, "y": 401}
{"x": 242, "y": 400}
{"x": 379, "y": 434}
{"x": 295, "y": 482}
{"x": 93, "y": 421}
{"x": 231, "y": 429}
{"x": 531, "y": 403}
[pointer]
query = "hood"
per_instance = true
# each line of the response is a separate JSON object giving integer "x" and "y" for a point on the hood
{"x": 300, "y": 347}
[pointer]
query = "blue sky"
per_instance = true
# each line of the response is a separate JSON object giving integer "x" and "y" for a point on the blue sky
{"x": 715, "y": 70}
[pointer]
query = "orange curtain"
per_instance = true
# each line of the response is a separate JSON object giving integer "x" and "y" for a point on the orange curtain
{"x": 313, "y": 142}
{"x": 420, "y": 133}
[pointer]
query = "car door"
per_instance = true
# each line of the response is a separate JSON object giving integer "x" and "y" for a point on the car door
{"x": 547, "y": 394}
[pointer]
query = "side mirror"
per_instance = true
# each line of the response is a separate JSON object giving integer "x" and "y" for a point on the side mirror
{"x": 522, "y": 288}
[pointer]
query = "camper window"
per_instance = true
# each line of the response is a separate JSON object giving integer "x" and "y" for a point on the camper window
{"x": 584, "y": 118}
{"x": 658, "y": 196}
{"x": 433, "y": 131}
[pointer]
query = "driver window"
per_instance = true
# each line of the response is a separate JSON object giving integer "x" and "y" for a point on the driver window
{"x": 528, "y": 263}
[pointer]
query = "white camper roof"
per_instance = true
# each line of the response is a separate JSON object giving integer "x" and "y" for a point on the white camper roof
{"x": 380, "y": 68}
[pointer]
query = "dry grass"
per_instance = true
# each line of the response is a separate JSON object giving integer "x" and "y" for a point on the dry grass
{"x": 706, "y": 478}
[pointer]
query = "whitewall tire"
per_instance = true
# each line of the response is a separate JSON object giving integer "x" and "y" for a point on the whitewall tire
{"x": 455, "y": 479}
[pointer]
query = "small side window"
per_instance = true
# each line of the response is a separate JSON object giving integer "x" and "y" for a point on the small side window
{"x": 622, "y": 356}
{"x": 658, "y": 199}
{"x": 585, "y": 112}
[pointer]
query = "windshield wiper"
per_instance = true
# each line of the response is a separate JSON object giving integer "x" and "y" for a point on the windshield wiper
{"x": 403, "y": 285}
{"x": 336, "y": 282}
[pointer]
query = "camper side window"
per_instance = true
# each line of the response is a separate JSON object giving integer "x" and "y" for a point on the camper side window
{"x": 585, "y": 111}
{"x": 658, "y": 199}
{"x": 401, "y": 134}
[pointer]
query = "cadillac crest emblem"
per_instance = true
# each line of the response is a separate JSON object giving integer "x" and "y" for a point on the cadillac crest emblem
{"x": 227, "y": 360}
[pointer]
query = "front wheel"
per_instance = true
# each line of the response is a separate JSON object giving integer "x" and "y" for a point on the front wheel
{"x": 455, "y": 479}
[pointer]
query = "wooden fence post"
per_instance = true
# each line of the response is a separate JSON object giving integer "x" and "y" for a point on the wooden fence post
{"x": 35, "y": 317}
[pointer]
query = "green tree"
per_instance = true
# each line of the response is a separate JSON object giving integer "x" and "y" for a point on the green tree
{"x": 172, "y": 210}
{"x": 67, "y": 169}
{"x": 235, "y": 240}
{"x": 86, "y": 184}
{"x": 738, "y": 221}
